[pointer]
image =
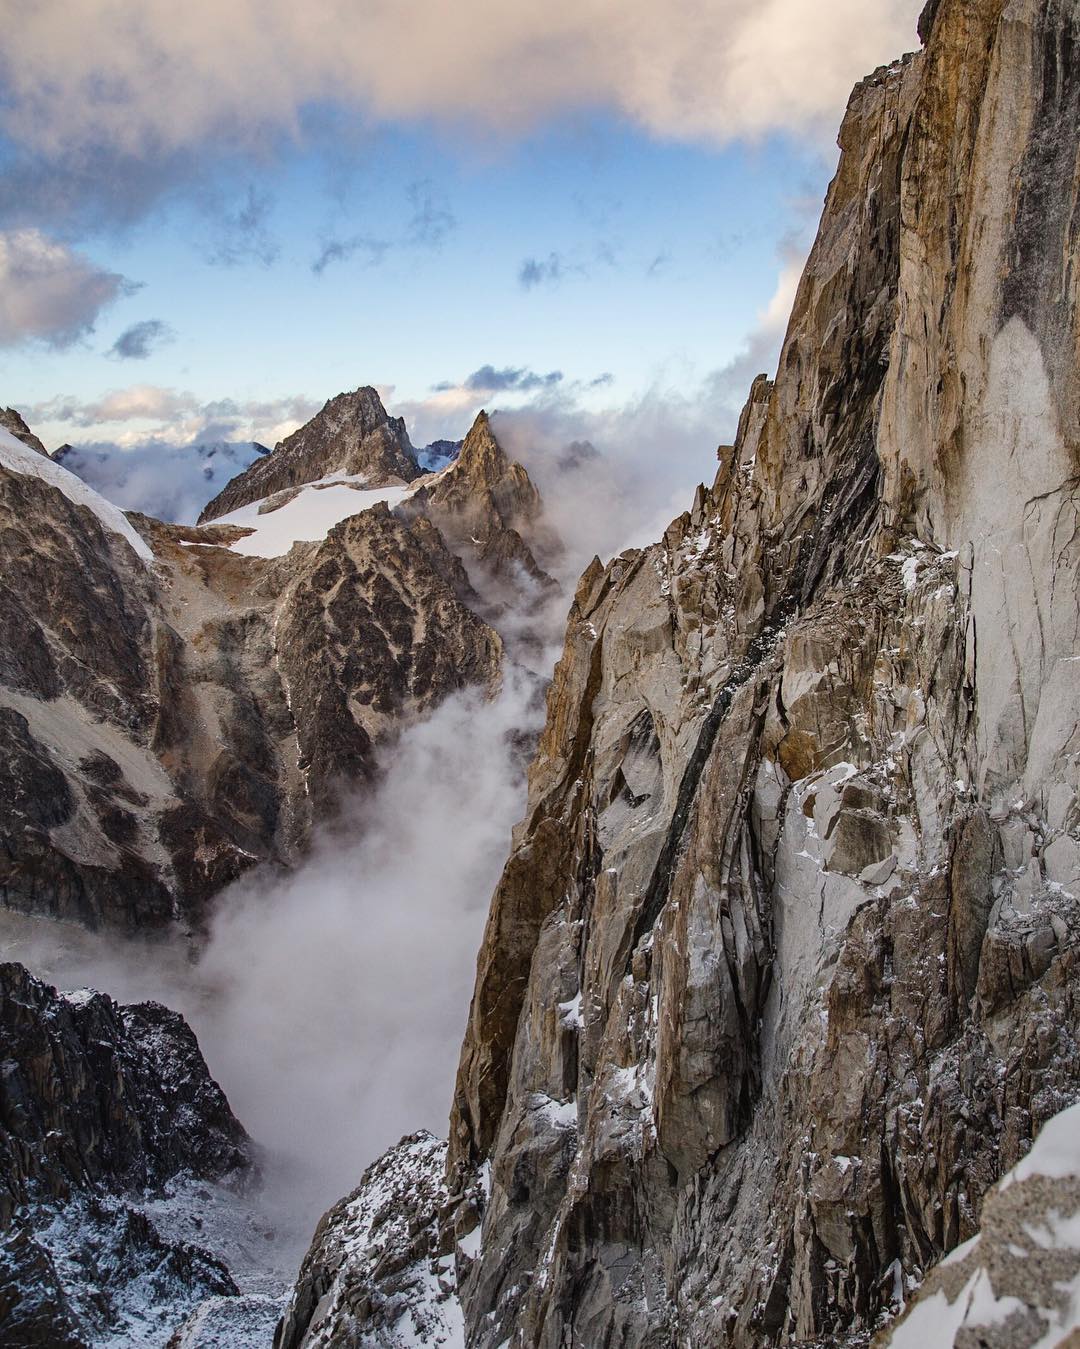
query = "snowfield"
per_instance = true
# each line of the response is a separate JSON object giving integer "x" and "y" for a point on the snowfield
{"x": 19, "y": 458}
{"x": 308, "y": 516}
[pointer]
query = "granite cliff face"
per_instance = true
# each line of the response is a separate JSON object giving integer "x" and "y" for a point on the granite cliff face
{"x": 781, "y": 974}
{"x": 177, "y": 704}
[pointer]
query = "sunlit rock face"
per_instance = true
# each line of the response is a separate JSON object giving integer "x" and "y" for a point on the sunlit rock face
{"x": 180, "y": 703}
{"x": 781, "y": 974}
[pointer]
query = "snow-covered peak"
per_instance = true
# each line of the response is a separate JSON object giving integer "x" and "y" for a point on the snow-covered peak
{"x": 19, "y": 458}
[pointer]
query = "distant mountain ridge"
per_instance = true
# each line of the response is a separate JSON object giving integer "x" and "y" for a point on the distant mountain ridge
{"x": 173, "y": 711}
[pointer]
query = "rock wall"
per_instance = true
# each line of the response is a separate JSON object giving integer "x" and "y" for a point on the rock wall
{"x": 781, "y": 973}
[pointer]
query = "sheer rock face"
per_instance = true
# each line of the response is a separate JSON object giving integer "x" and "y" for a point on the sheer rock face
{"x": 98, "y": 1104}
{"x": 781, "y": 974}
{"x": 164, "y": 727}
{"x": 352, "y": 435}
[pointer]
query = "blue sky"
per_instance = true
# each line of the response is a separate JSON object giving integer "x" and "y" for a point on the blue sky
{"x": 616, "y": 230}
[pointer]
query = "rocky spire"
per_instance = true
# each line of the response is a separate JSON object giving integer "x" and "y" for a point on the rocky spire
{"x": 11, "y": 421}
{"x": 486, "y": 505}
{"x": 352, "y": 434}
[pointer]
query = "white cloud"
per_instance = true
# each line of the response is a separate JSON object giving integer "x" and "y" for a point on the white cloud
{"x": 171, "y": 482}
{"x": 154, "y": 78}
{"x": 175, "y": 417}
{"x": 48, "y": 292}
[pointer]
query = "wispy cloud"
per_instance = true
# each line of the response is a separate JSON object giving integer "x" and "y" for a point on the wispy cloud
{"x": 429, "y": 223}
{"x": 556, "y": 267}
{"x": 543, "y": 271}
{"x": 341, "y": 250}
{"x": 510, "y": 378}
{"x": 243, "y": 235}
{"x": 137, "y": 342}
{"x": 432, "y": 220}
{"x": 49, "y": 292}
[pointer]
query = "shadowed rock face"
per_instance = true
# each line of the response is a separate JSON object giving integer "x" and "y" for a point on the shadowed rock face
{"x": 353, "y": 434}
{"x": 782, "y": 970}
{"x": 98, "y": 1104}
{"x": 94, "y": 1093}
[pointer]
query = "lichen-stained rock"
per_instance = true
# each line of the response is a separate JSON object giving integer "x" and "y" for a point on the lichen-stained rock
{"x": 781, "y": 973}
{"x": 173, "y": 717}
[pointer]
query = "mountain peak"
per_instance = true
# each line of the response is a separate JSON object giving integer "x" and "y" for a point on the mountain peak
{"x": 352, "y": 434}
{"x": 12, "y": 421}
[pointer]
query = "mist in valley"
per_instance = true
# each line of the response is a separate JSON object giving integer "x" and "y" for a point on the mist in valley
{"x": 330, "y": 1002}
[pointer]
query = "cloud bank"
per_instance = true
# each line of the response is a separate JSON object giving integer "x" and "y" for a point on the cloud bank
{"x": 172, "y": 416}
{"x": 147, "y": 78}
{"x": 110, "y": 107}
{"x": 49, "y": 292}
{"x": 170, "y": 482}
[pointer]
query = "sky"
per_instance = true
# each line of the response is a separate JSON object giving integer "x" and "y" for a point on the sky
{"x": 215, "y": 216}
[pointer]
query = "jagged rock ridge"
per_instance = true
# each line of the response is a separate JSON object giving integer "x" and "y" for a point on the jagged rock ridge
{"x": 781, "y": 974}
{"x": 101, "y": 1105}
{"x": 173, "y": 711}
{"x": 12, "y": 421}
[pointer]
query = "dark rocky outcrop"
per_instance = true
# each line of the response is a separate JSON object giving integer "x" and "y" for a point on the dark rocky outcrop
{"x": 98, "y": 1105}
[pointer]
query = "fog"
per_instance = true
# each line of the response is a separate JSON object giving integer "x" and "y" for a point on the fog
{"x": 330, "y": 1002}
